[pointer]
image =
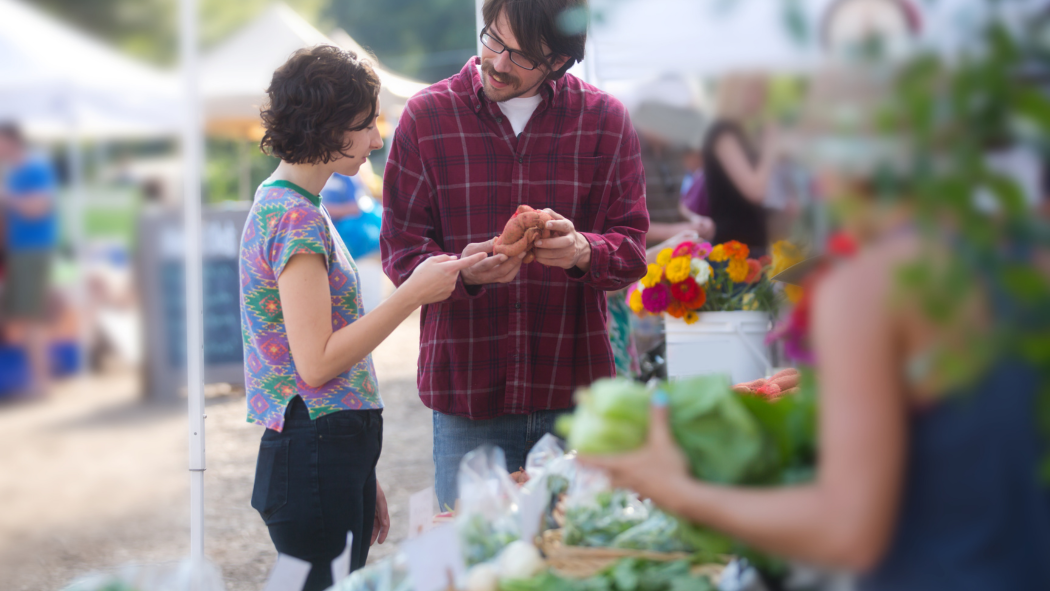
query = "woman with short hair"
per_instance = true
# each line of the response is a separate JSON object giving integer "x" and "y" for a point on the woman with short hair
{"x": 309, "y": 377}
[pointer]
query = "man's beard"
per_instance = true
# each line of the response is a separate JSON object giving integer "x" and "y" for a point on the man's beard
{"x": 512, "y": 90}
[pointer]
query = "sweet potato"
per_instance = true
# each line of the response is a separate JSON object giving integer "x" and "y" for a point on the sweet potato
{"x": 521, "y": 232}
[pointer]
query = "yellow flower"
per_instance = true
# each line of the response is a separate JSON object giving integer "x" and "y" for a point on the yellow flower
{"x": 794, "y": 293}
{"x": 738, "y": 270}
{"x": 653, "y": 276}
{"x": 749, "y": 303}
{"x": 718, "y": 254}
{"x": 664, "y": 257}
{"x": 635, "y": 301}
{"x": 785, "y": 255}
{"x": 691, "y": 317}
{"x": 678, "y": 269}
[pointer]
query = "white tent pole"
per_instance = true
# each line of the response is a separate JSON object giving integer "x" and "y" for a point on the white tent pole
{"x": 76, "y": 224}
{"x": 479, "y": 22}
{"x": 192, "y": 152}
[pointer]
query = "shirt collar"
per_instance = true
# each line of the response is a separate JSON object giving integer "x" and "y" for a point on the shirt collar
{"x": 548, "y": 89}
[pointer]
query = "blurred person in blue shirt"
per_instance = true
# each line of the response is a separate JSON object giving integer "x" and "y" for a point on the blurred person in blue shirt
{"x": 27, "y": 200}
{"x": 356, "y": 215}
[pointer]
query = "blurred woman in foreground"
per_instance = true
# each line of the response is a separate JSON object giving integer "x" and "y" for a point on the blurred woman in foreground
{"x": 928, "y": 471}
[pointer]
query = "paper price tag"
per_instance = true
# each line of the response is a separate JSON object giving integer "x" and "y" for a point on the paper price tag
{"x": 531, "y": 508}
{"x": 288, "y": 574}
{"x": 341, "y": 564}
{"x": 434, "y": 558}
{"x": 421, "y": 512}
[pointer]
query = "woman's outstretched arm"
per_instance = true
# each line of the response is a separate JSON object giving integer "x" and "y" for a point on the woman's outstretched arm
{"x": 846, "y": 517}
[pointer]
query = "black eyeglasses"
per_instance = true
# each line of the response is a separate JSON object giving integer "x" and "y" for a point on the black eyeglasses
{"x": 516, "y": 57}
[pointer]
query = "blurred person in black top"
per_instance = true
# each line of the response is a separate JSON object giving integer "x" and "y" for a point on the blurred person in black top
{"x": 736, "y": 175}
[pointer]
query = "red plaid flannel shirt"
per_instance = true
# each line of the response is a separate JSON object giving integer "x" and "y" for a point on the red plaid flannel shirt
{"x": 455, "y": 175}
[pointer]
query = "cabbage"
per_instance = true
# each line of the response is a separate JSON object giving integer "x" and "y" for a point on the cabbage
{"x": 612, "y": 416}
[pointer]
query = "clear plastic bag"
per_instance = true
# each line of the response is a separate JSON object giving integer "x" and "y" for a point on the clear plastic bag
{"x": 386, "y": 575}
{"x": 185, "y": 575}
{"x": 487, "y": 519}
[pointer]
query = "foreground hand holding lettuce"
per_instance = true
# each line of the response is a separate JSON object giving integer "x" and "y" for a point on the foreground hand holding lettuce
{"x": 728, "y": 438}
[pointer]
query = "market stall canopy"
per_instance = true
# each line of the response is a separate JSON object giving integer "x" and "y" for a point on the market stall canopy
{"x": 640, "y": 39}
{"x": 55, "y": 80}
{"x": 236, "y": 73}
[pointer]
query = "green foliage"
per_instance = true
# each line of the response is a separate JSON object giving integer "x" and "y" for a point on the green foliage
{"x": 223, "y": 168}
{"x": 426, "y": 39}
{"x": 627, "y": 574}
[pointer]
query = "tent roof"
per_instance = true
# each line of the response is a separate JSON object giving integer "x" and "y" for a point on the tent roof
{"x": 236, "y": 73}
{"x": 52, "y": 76}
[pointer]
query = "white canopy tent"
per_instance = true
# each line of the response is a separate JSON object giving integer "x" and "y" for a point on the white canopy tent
{"x": 234, "y": 75}
{"x": 58, "y": 81}
{"x": 644, "y": 39}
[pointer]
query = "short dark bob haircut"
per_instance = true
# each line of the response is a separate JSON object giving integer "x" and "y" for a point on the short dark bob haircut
{"x": 317, "y": 96}
{"x": 561, "y": 24}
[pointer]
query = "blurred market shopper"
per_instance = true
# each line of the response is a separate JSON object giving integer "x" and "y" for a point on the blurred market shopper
{"x": 356, "y": 215}
{"x": 308, "y": 369}
{"x": 502, "y": 356}
{"x": 737, "y": 175}
{"x": 27, "y": 197}
{"x": 930, "y": 356}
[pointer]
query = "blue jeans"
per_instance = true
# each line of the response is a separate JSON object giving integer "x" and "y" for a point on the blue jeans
{"x": 315, "y": 481}
{"x": 455, "y": 436}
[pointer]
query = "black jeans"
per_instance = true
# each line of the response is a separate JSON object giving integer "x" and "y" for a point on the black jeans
{"x": 315, "y": 481}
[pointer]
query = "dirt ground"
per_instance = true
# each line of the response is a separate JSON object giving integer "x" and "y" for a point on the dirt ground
{"x": 94, "y": 478}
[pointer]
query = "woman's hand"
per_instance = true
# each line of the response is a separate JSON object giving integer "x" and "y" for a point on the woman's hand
{"x": 653, "y": 471}
{"x": 434, "y": 279}
{"x": 381, "y": 524}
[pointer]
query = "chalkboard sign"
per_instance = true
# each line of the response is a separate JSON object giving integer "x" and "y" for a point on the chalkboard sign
{"x": 161, "y": 275}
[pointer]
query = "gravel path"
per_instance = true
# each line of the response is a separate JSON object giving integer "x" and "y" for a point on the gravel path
{"x": 92, "y": 478}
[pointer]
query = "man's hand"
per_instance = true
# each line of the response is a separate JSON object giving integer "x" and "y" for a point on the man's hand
{"x": 493, "y": 269}
{"x": 381, "y": 524}
{"x": 566, "y": 250}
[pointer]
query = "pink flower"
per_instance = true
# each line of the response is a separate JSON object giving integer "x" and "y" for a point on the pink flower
{"x": 684, "y": 249}
{"x": 702, "y": 250}
{"x": 656, "y": 298}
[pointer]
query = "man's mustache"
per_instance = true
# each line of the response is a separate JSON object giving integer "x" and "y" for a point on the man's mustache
{"x": 500, "y": 77}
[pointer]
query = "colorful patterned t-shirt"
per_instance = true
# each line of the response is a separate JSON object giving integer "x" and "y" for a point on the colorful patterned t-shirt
{"x": 286, "y": 220}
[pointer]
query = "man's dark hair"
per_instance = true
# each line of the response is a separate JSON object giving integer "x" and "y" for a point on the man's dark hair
{"x": 560, "y": 24}
{"x": 317, "y": 96}
{"x": 12, "y": 131}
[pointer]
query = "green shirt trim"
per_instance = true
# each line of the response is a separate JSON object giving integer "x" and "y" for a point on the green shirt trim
{"x": 315, "y": 199}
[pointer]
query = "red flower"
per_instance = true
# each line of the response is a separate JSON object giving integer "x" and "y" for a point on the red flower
{"x": 754, "y": 271}
{"x": 842, "y": 244}
{"x": 765, "y": 260}
{"x": 685, "y": 291}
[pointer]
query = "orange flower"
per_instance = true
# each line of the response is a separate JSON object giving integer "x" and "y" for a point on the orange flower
{"x": 718, "y": 254}
{"x": 793, "y": 293}
{"x": 697, "y": 302}
{"x": 736, "y": 250}
{"x": 676, "y": 309}
{"x": 738, "y": 270}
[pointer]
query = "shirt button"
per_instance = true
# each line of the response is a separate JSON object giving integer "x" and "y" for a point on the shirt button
{"x": 517, "y": 305}
{"x": 499, "y": 119}
{"x": 520, "y": 159}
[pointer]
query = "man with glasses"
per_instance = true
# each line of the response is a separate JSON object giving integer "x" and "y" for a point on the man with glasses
{"x": 501, "y": 358}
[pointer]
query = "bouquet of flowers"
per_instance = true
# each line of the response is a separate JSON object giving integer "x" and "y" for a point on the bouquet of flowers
{"x": 692, "y": 278}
